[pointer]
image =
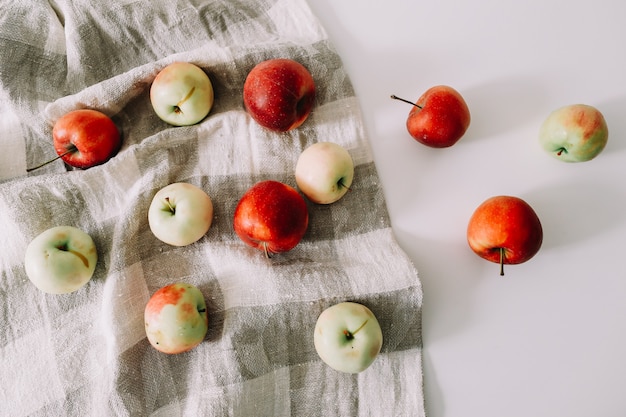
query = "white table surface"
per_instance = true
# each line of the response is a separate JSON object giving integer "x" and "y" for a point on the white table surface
{"x": 548, "y": 338}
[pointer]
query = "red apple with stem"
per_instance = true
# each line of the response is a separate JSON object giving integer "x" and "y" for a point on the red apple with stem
{"x": 279, "y": 94}
{"x": 84, "y": 138}
{"x": 439, "y": 118}
{"x": 505, "y": 230}
{"x": 271, "y": 216}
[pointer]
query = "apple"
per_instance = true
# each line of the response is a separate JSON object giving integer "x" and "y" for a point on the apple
{"x": 60, "y": 260}
{"x": 271, "y": 216}
{"x": 439, "y": 118}
{"x": 324, "y": 172}
{"x": 347, "y": 337}
{"x": 279, "y": 94}
{"x": 180, "y": 214}
{"x": 176, "y": 318}
{"x": 181, "y": 94}
{"x": 84, "y": 138}
{"x": 505, "y": 230}
{"x": 574, "y": 133}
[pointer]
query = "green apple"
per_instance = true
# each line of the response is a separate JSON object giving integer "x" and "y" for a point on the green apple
{"x": 60, "y": 260}
{"x": 324, "y": 172}
{"x": 348, "y": 337}
{"x": 180, "y": 214}
{"x": 181, "y": 94}
{"x": 176, "y": 318}
{"x": 574, "y": 133}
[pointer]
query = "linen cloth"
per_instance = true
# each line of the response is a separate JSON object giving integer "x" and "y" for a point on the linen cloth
{"x": 85, "y": 353}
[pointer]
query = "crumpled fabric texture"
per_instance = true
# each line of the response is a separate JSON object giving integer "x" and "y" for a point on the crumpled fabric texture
{"x": 86, "y": 353}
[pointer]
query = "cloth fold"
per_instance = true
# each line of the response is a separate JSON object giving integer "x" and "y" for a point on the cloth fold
{"x": 86, "y": 353}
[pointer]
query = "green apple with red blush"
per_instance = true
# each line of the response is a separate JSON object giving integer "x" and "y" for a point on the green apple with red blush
{"x": 574, "y": 133}
{"x": 324, "y": 172}
{"x": 182, "y": 94}
{"x": 176, "y": 318}
{"x": 439, "y": 118}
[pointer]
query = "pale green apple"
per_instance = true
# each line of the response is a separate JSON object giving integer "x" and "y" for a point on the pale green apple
{"x": 180, "y": 214}
{"x": 574, "y": 133}
{"x": 176, "y": 318}
{"x": 61, "y": 259}
{"x": 348, "y": 337}
{"x": 181, "y": 94}
{"x": 324, "y": 172}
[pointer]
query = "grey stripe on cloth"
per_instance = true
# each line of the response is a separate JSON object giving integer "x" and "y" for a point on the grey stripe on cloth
{"x": 86, "y": 353}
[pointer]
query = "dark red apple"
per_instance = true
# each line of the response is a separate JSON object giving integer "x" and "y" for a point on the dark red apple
{"x": 279, "y": 94}
{"x": 439, "y": 118}
{"x": 271, "y": 216}
{"x": 505, "y": 230}
{"x": 84, "y": 138}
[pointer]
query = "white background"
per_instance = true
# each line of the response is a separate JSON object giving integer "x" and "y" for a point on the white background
{"x": 548, "y": 338}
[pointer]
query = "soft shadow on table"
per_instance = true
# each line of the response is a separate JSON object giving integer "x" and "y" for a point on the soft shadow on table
{"x": 498, "y": 106}
{"x": 447, "y": 285}
{"x": 574, "y": 210}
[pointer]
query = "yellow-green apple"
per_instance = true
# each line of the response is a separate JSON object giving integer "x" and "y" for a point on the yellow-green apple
{"x": 505, "y": 230}
{"x": 279, "y": 94}
{"x": 439, "y": 118}
{"x": 324, "y": 172}
{"x": 271, "y": 216}
{"x": 60, "y": 260}
{"x": 180, "y": 214}
{"x": 176, "y": 318}
{"x": 181, "y": 94}
{"x": 574, "y": 133}
{"x": 84, "y": 138}
{"x": 348, "y": 337}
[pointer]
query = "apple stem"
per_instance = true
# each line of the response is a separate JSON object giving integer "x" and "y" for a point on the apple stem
{"x": 177, "y": 108}
{"x": 406, "y": 101}
{"x": 267, "y": 252}
{"x": 169, "y": 204}
{"x": 350, "y": 335}
{"x": 341, "y": 184}
{"x": 71, "y": 149}
{"x": 501, "y": 261}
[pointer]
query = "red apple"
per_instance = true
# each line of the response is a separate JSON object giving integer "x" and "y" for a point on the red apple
{"x": 271, "y": 216}
{"x": 279, "y": 94}
{"x": 84, "y": 138}
{"x": 439, "y": 118}
{"x": 505, "y": 230}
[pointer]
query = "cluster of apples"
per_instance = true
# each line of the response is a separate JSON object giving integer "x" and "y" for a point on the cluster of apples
{"x": 271, "y": 216}
{"x": 505, "y": 229}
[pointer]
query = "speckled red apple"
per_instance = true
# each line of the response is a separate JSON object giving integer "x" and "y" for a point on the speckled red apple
{"x": 279, "y": 94}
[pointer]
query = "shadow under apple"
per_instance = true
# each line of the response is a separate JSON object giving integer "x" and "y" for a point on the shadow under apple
{"x": 501, "y": 105}
{"x": 575, "y": 210}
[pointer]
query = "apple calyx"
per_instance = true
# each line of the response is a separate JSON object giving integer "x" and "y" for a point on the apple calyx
{"x": 406, "y": 101}
{"x": 177, "y": 108}
{"x": 69, "y": 150}
{"x": 350, "y": 335}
